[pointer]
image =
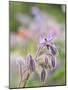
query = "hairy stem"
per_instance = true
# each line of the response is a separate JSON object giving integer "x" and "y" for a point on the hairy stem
{"x": 37, "y": 53}
{"x": 26, "y": 80}
{"x": 38, "y": 50}
{"x": 21, "y": 75}
{"x": 30, "y": 73}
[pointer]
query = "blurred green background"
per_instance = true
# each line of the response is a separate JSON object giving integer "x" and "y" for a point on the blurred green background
{"x": 58, "y": 76}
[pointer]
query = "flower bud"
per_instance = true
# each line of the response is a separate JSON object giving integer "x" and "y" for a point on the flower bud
{"x": 20, "y": 60}
{"x": 53, "y": 61}
{"x": 46, "y": 60}
{"x": 43, "y": 75}
{"x": 53, "y": 50}
{"x": 32, "y": 64}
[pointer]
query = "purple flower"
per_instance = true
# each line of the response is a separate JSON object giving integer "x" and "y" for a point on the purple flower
{"x": 35, "y": 11}
{"x": 50, "y": 37}
{"x": 42, "y": 41}
{"x": 46, "y": 41}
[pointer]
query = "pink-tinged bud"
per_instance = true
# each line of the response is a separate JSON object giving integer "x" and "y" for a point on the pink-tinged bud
{"x": 32, "y": 64}
{"x": 43, "y": 75}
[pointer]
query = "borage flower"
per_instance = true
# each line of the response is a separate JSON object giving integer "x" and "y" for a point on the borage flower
{"x": 48, "y": 42}
{"x": 48, "y": 62}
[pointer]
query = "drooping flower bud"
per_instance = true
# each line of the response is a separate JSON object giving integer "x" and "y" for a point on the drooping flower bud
{"x": 53, "y": 61}
{"x": 43, "y": 75}
{"x": 32, "y": 64}
{"x": 46, "y": 60}
{"x": 53, "y": 50}
{"x": 20, "y": 60}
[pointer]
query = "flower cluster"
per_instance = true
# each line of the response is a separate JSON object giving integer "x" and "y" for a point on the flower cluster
{"x": 29, "y": 64}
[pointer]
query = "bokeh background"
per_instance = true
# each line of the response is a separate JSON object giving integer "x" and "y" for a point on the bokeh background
{"x": 27, "y": 21}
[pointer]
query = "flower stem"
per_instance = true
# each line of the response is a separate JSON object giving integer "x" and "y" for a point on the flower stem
{"x": 30, "y": 73}
{"x": 38, "y": 50}
{"x": 21, "y": 75}
{"x": 26, "y": 80}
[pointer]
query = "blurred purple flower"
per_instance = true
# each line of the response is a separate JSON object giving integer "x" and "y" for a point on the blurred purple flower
{"x": 35, "y": 10}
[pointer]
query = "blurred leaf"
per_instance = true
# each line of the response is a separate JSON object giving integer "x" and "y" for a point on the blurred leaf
{"x": 58, "y": 78}
{"x": 33, "y": 83}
